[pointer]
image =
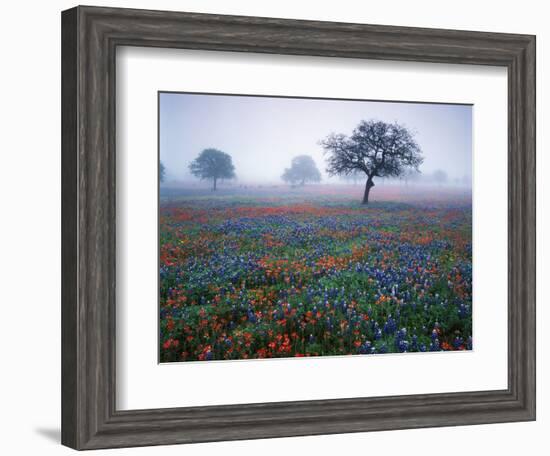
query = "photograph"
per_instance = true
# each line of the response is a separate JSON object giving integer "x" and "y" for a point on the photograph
{"x": 274, "y": 223}
{"x": 297, "y": 227}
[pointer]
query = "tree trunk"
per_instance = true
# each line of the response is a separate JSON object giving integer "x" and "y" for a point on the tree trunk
{"x": 368, "y": 186}
{"x": 215, "y": 181}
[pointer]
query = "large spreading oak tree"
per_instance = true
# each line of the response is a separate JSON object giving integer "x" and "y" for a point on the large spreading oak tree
{"x": 302, "y": 169}
{"x": 213, "y": 164}
{"x": 375, "y": 148}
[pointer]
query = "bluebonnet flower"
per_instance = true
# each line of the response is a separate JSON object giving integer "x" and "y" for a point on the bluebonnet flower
{"x": 251, "y": 316}
{"x": 463, "y": 310}
{"x": 390, "y": 326}
{"x": 402, "y": 345}
{"x": 457, "y": 342}
{"x": 434, "y": 345}
{"x": 365, "y": 348}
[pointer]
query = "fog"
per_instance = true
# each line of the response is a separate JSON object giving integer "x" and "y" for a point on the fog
{"x": 263, "y": 134}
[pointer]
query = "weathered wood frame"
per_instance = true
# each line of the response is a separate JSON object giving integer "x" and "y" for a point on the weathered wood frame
{"x": 90, "y": 36}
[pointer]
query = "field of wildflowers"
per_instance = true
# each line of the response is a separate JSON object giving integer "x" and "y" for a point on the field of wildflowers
{"x": 315, "y": 274}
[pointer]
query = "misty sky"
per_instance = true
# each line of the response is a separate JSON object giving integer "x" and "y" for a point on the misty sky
{"x": 262, "y": 134}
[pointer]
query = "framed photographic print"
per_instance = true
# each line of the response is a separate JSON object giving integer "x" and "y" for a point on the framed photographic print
{"x": 280, "y": 228}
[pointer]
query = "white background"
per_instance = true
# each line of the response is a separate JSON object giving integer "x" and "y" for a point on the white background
{"x": 141, "y": 382}
{"x": 30, "y": 238}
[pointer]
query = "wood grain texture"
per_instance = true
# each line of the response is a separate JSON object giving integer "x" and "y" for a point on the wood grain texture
{"x": 69, "y": 233}
{"x": 89, "y": 39}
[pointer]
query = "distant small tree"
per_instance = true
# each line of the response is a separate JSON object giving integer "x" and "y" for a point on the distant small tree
{"x": 378, "y": 149}
{"x": 440, "y": 176}
{"x": 302, "y": 170}
{"x": 162, "y": 172}
{"x": 411, "y": 175}
{"x": 213, "y": 164}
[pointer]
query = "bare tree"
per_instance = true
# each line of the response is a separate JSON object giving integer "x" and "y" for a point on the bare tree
{"x": 378, "y": 149}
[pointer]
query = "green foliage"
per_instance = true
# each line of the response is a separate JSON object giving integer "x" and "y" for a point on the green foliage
{"x": 302, "y": 169}
{"x": 162, "y": 172}
{"x": 213, "y": 164}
